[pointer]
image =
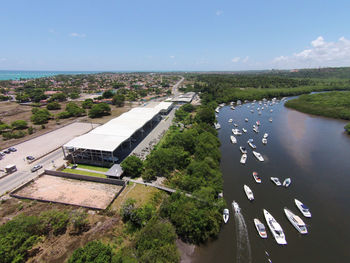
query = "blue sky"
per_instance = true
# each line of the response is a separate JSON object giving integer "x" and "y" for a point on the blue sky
{"x": 173, "y": 35}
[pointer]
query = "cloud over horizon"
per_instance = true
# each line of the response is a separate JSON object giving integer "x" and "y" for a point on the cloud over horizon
{"x": 74, "y": 34}
{"x": 320, "y": 54}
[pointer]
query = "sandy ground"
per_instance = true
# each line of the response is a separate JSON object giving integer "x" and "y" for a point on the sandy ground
{"x": 70, "y": 191}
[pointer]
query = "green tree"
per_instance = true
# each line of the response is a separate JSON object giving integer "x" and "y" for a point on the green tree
{"x": 58, "y": 97}
{"x": 53, "y": 106}
{"x": 205, "y": 114}
{"x": 99, "y": 110}
{"x": 93, "y": 252}
{"x": 108, "y": 94}
{"x": 19, "y": 124}
{"x": 132, "y": 166}
{"x": 118, "y": 100}
{"x": 74, "y": 110}
{"x": 74, "y": 95}
{"x": 41, "y": 116}
{"x": 347, "y": 128}
{"x": 87, "y": 104}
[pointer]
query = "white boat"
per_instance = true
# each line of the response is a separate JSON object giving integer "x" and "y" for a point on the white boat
{"x": 256, "y": 177}
{"x": 256, "y": 129}
{"x": 264, "y": 140}
{"x": 235, "y": 124}
{"x": 236, "y": 132}
{"x": 287, "y": 182}
{"x": 232, "y": 108}
{"x": 236, "y": 207}
{"x": 296, "y": 221}
{"x": 233, "y": 139}
{"x": 226, "y": 215}
{"x": 243, "y": 158}
{"x": 260, "y": 228}
{"x": 252, "y": 111}
{"x": 276, "y": 181}
{"x": 259, "y": 112}
{"x": 242, "y": 149}
{"x": 217, "y": 109}
{"x": 246, "y": 119}
{"x": 258, "y": 156}
{"x": 230, "y": 120}
{"x": 258, "y": 108}
{"x": 271, "y": 110}
{"x": 303, "y": 208}
{"x": 266, "y": 135}
{"x": 244, "y": 130}
{"x": 248, "y": 192}
{"x": 275, "y": 228}
{"x": 270, "y": 120}
{"x": 251, "y": 145}
{"x": 257, "y": 123}
{"x": 217, "y": 126}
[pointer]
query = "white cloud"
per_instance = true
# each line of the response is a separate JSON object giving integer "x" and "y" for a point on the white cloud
{"x": 320, "y": 54}
{"x": 219, "y": 12}
{"x": 3, "y": 59}
{"x": 77, "y": 35}
{"x": 172, "y": 57}
{"x": 245, "y": 60}
{"x": 236, "y": 59}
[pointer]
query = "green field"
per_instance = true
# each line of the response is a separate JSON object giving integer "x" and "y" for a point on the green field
{"x": 75, "y": 171}
{"x": 91, "y": 167}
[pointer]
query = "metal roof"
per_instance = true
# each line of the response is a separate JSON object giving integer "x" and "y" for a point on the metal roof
{"x": 112, "y": 134}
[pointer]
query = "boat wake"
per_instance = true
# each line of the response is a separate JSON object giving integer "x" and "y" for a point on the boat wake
{"x": 244, "y": 253}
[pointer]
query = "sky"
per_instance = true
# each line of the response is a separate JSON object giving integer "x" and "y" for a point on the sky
{"x": 164, "y": 35}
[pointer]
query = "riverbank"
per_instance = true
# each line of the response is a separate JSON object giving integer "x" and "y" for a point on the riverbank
{"x": 335, "y": 104}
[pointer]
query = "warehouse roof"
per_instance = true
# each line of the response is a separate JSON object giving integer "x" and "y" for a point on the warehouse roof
{"x": 112, "y": 134}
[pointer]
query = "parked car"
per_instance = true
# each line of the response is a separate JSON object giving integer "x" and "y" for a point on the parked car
{"x": 2, "y": 154}
{"x": 30, "y": 158}
{"x": 74, "y": 166}
{"x": 12, "y": 149}
{"x": 36, "y": 168}
{"x": 7, "y": 151}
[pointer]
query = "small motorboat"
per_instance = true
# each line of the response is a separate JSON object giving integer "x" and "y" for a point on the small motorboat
{"x": 251, "y": 145}
{"x": 250, "y": 140}
{"x": 236, "y": 132}
{"x": 303, "y": 208}
{"x": 217, "y": 125}
{"x": 258, "y": 156}
{"x": 235, "y": 124}
{"x": 242, "y": 149}
{"x": 259, "y": 112}
{"x": 230, "y": 120}
{"x": 296, "y": 221}
{"x": 233, "y": 139}
{"x": 264, "y": 140}
{"x": 226, "y": 215}
{"x": 270, "y": 120}
{"x": 236, "y": 207}
{"x": 217, "y": 109}
{"x": 252, "y": 111}
{"x": 256, "y": 129}
{"x": 266, "y": 135}
{"x": 249, "y": 193}
{"x": 246, "y": 119}
{"x": 271, "y": 110}
{"x": 260, "y": 228}
{"x": 275, "y": 228}
{"x": 243, "y": 158}
{"x": 258, "y": 123}
{"x": 276, "y": 181}
{"x": 232, "y": 108}
{"x": 287, "y": 182}
{"x": 244, "y": 130}
{"x": 256, "y": 177}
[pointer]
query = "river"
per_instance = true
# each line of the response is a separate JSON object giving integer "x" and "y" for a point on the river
{"x": 315, "y": 153}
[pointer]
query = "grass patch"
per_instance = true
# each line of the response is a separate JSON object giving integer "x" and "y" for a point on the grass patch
{"x": 75, "y": 171}
{"x": 91, "y": 167}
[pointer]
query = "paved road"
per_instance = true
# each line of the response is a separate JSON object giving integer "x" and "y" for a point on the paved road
{"x": 175, "y": 89}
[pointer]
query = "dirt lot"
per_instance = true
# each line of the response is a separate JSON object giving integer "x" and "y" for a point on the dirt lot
{"x": 70, "y": 191}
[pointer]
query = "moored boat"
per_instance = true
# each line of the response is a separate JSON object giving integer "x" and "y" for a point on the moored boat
{"x": 244, "y": 130}
{"x": 266, "y": 135}
{"x": 287, "y": 182}
{"x": 243, "y": 158}
{"x": 256, "y": 177}
{"x": 296, "y": 221}
{"x": 264, "y": 140}
{"x": 276, "y": 181}
{"x": 248, "y": 192}
{"x": 258, "y": 123}
{"x": 236, "y": 132}
{"x": 236, "y": 207}
{"x": 242, "y": 149}
{"x": 270, "y": 120}
{"x": 303, "y": 208}
{"x": 275, "y": 228}
{"x": 251, "y": 145}
{"x": 246, "y": 119}
{"x": 230, "y": 120}
{"x": 235, "y": 124}
{"x": 217, "y": 125}
{"x": 233, "y": 139}
{"x": 256, "y": 129}
{"x": 258, "y": 156}
{"x": 260, "y": 228}
{"x": 232, "y": 108}
{"x": 226, "y": 215}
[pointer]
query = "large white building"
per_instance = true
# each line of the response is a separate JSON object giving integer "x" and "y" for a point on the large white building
{"x": 106, "y": 144}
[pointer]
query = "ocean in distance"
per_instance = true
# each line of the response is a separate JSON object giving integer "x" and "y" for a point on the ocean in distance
{"x": 22, "y": 74}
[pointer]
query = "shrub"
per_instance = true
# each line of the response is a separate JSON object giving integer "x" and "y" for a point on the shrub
{"x": 99, "y": 110}
{"x": 347, "y": 128}
{"x": 54, "y": 220}
{"x": 40, "y": 116}
{"x": 53, "y": 106}
{"x": 74, "y": 110}
{"x": 87, "y": 104}
{"x": 94, "y": 251}
{"x": 132, "y": 166}
{"x": 63, "y": 115}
